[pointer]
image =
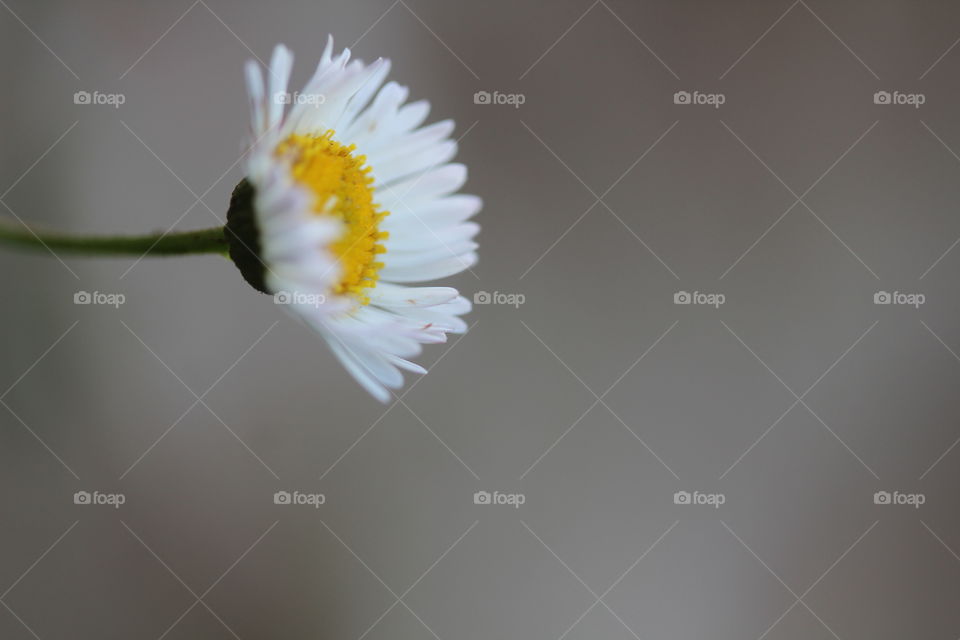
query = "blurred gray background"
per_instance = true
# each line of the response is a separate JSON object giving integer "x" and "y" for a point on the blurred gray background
{"x": 598, "y": 399}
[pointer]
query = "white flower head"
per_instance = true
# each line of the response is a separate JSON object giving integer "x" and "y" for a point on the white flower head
{"x": 348, "y": 200}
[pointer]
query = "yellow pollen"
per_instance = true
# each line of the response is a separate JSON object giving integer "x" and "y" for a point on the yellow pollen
{"x": 343, "y": 188}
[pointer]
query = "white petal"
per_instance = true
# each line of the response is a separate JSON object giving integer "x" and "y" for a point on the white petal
{"x": 423, "y": 188}
{"x": 404, "y": 259}
{"x": 368, "y": 124}
{"x": 457, "y": 306}
{"x": 406, "y": 364}
{"x": 385, "y": 121}
{"x": 391, "y": 295}
{"x": 442, "y": 321}
{"x": 413, "y": 142}
{"x": 431, "y": 271}
{"x": 436, "y": 214}
{"x": 409, "y": 117}
{"x": 386, "y": 373}
{"x": 363, "y": 95}
{"x": 327, "y": 54}
{"x": 420, "y": 237}
{"x": 359, "y": 372}
{"x": 327, "y": 97}
{"x": 258, "y": 123}
{"x": 413, "y": 163}
{"x": 281, "y": 64}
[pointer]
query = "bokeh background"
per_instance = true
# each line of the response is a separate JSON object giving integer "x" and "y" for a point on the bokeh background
{"x": 597, "y": 399}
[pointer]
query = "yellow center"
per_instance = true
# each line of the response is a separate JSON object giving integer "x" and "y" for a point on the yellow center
{"x": 342, "y": 188}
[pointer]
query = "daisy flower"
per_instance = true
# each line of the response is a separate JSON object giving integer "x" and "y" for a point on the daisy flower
{"x": 349, "y": 201}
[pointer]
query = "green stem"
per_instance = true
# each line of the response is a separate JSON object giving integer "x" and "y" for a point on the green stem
{"x": 159, "y": 244}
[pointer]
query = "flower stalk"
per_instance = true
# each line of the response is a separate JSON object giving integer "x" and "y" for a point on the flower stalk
{"x": 154, "y": 244}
